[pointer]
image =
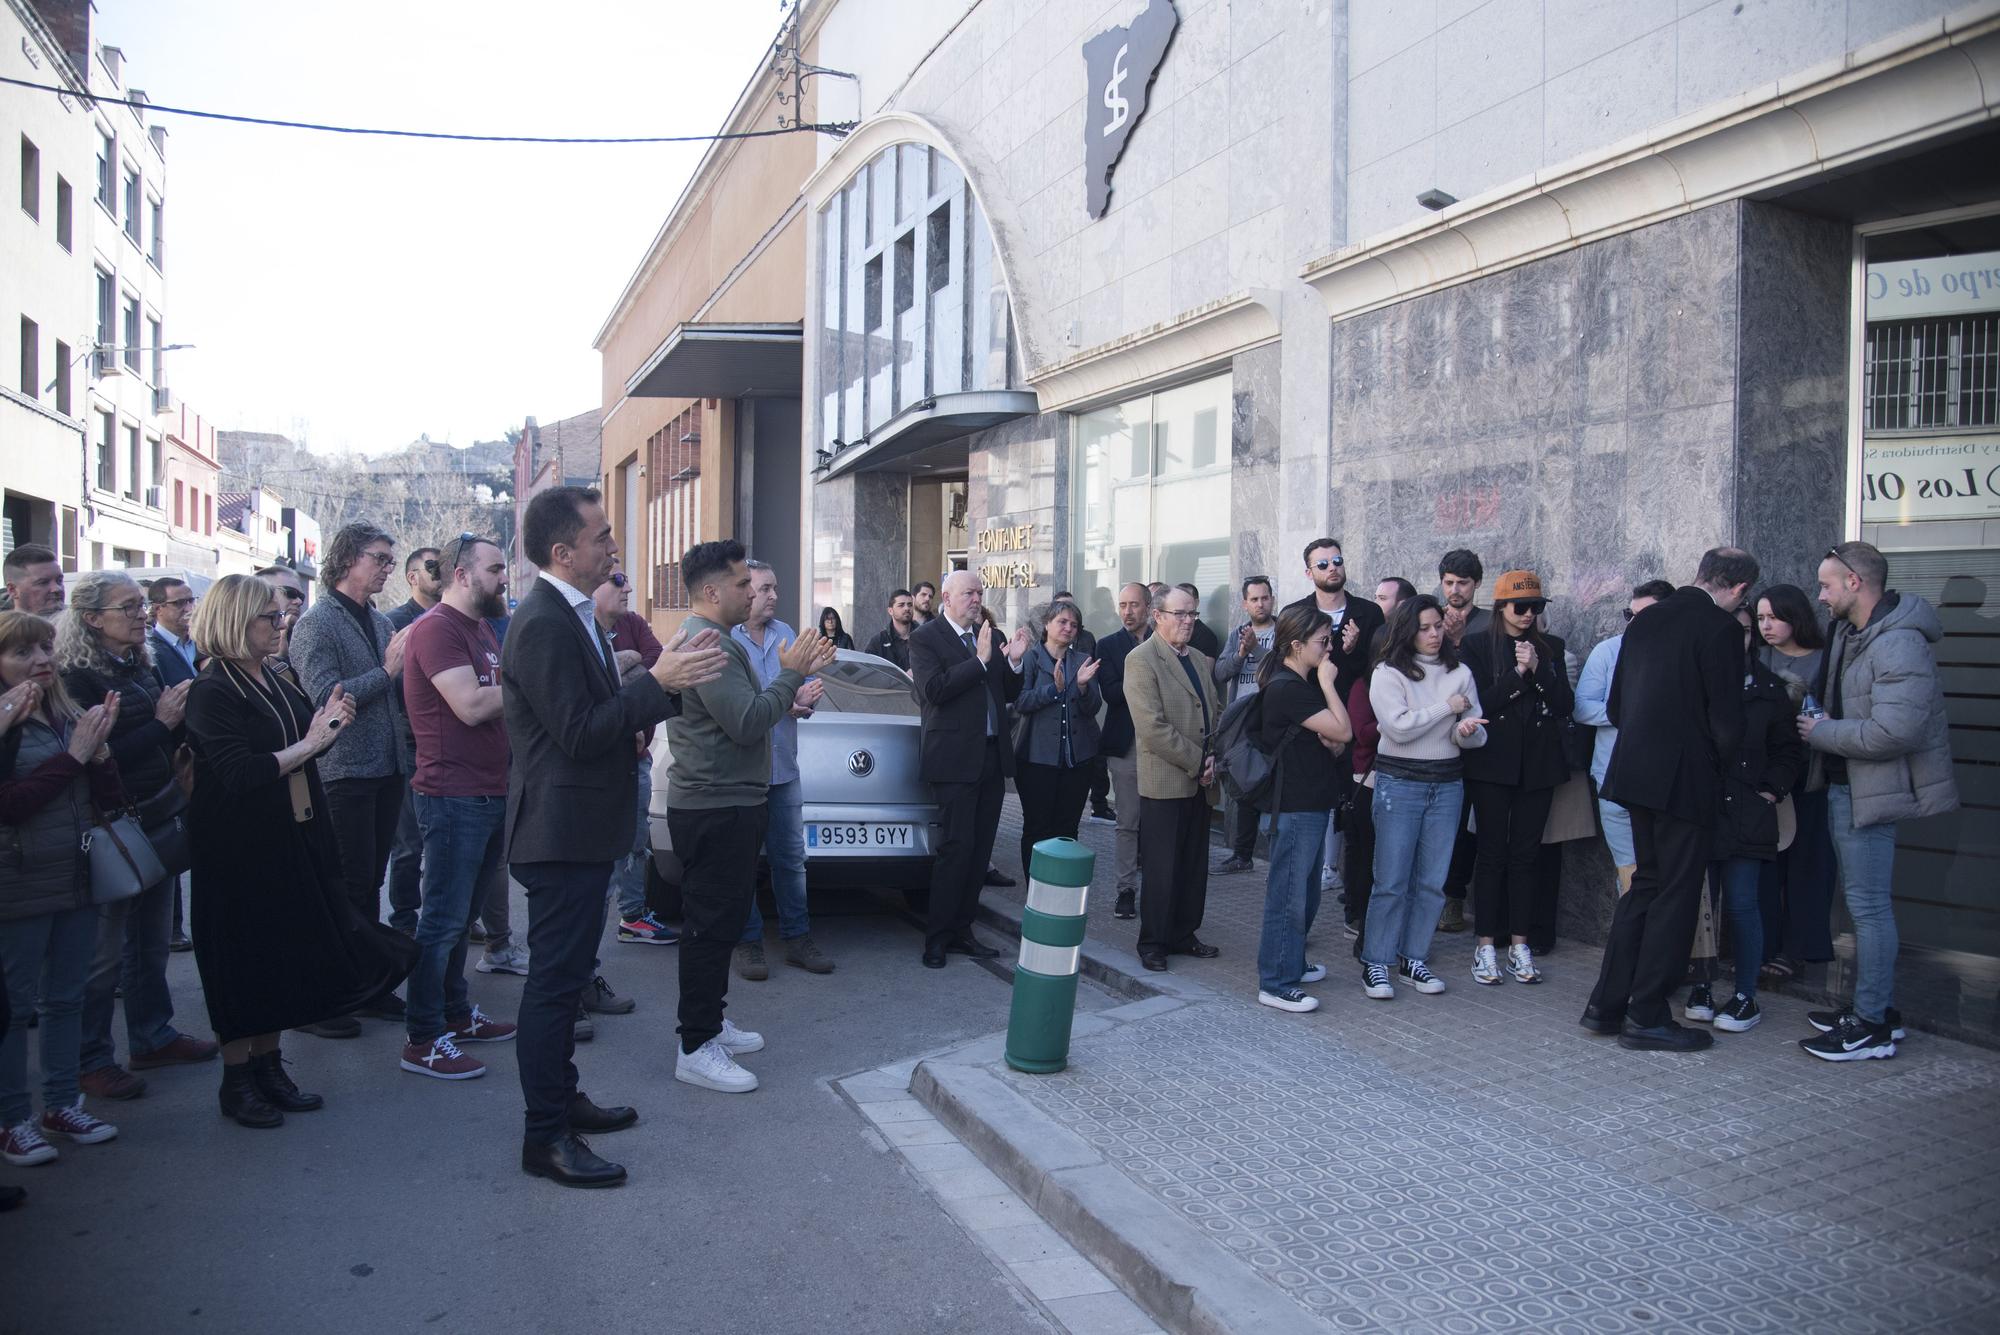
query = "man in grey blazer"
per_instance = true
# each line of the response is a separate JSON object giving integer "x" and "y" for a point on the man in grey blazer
{"x": 572, "y": 797}
{"x": 342, "y": 640}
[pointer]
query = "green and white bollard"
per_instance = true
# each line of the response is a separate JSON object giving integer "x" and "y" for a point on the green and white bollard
{"x": 1051, "y": 949}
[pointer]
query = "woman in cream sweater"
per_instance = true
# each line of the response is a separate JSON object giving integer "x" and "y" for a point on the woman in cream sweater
{"x": 1427, "y": 708}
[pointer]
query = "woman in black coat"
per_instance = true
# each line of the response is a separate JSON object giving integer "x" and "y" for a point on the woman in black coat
{"x": 276, "y": 940}
{"x": 1510, "y": 782}
{"x": 1767, "y": 764}
{"x": 831, "y": 627}
{"x": 1056, "y": 739}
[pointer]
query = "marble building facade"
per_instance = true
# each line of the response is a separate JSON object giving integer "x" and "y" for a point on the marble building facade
{"x": 1631, "y": 332}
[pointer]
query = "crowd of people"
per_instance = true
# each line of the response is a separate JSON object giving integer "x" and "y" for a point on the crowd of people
{"x": 283, "y": 762}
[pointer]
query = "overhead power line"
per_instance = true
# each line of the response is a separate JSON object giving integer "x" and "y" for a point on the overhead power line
{"x": 830, "y": 127}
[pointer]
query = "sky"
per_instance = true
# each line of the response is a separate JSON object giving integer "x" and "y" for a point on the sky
{"x": 356, "y": 292}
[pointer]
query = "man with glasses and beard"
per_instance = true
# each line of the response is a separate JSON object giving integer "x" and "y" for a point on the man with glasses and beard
{"x": 342, "y": 640}
{"x": 451, "y": 692}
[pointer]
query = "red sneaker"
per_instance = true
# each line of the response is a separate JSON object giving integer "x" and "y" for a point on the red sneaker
{"x": 77, "y": 1124}
{"x": 185, "y": 1050}
{"x": 441, "y": 1059}
{"x": 479, "y": 1027}
{"x": 111, "y": 1082}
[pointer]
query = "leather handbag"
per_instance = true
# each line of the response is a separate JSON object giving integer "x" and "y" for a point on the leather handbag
{"x": 163, "y": 817}
{"x": 122, "y": 863}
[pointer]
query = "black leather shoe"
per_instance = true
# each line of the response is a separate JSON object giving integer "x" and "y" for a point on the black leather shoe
{"x": 933, "y": 956}
{"x": 970, "y": 945}
{"x": 587, "y": 1116}
{"x": 994, "y": 876}
{"x": 570, "y": 1163}
{"x": 1601, "y": 1022}
{"x": 267, "y": 1072}
{"x": 1231, "y": 866}
{"x": 1125, "y": 907}
{"x": 1667, "y": 1037}
{"x": 1200, "y": 949}
{"x": 242, "y": 1103}
{"x": 1153, "y": 960}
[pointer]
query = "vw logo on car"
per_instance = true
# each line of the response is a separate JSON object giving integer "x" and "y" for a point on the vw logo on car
{"x": 860, "y": 764}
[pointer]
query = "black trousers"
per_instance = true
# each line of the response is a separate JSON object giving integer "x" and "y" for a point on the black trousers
{"x": 1243, "y": 838}
{"x": 1100, "y": 783}
{"x": 1357, "y": 873}
{"x": 971, "y": 813}
{"x": 565, "y": 921}
{"x": 406, "y": 869}
{"x": 1652, "y": 929}
{"x": 1173, "y": 871}
{"x": 1051, "y": 803}
{"x": 365, "y": 813}
{"x": 1464, "y": 857}
{"x": 1508, "y": 844}
{"x": 718, "y": 849}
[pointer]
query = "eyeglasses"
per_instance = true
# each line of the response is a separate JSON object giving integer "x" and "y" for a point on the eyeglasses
{"x": 380, "y": 558}
{"x": 273, "y": 617}
{"x": 1533, "y": 607}
{"x": 1180, "y": 616}
{"x": 290, "y": 594}
{"x": 1321, "y": 641}
{"x": 1629, "y": 614}
{"x": 1329, "y": 563}
{"x": 128, "y": 609}
{"x": 180, "y": 602}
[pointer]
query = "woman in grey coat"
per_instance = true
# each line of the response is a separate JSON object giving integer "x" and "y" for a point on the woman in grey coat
{"x": 1056, "y": 739}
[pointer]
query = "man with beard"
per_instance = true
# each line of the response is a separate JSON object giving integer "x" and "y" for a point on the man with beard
{"x": 1459, "y": 573}
{"x": 894, "y": 641}
{"x": 427, "y": 576}
{"x": 1248, "y": 645}
{"x": 34, "y": 577}
{"x": 427, "y": 579}
{"x": 451, "y": 691}
{"x": 922, "y": 601}
{"x": 1355, "y": 623}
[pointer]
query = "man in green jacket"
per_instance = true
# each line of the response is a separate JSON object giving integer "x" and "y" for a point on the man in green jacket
{"x": 716, "y": 794}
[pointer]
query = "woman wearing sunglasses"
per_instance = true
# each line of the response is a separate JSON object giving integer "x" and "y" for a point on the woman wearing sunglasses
{"x": 1511, "y": 781}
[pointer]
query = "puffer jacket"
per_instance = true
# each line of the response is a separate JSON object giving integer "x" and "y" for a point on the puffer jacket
{"x": 45, "y": 798}
{"x": 141, "y": 744}
{"x": 1892, "y": 728}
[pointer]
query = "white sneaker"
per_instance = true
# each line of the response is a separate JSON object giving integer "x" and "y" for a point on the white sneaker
{"x": 711, "y": 1067}
{"x": 1486, "y": 966}
{"x": 1289, "y": 999}
{"x": 1313, "y": 974}
{"x": 1521, "y": 963}
{"x": 736, "y": 1041}
{"x": 1329, "y": 880}
{"x": 510, "y": 959}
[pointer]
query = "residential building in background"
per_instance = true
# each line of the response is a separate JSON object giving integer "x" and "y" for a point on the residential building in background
{"x": 259, "y": 515}
{"x": 192, "y": 477}
{"x": 47, "y": 295}
{"x": 561, "y": 454}
{"x": 701, "y": 362}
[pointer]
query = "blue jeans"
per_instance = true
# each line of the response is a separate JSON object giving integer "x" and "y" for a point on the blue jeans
{"x": 131, "y": 954}
{"x": 50, "y": 953}
{"x": 1617, "y": 825}
{"x": 628, "y": 878}
{"x": 1291, "y": 897}
{"x": 1867, "y": 857}
{"x": 1737, "y": 880}
{"x": 1416, "y": 825}
{"x": 463, "y": 837}
{"x": 785, "y": 850}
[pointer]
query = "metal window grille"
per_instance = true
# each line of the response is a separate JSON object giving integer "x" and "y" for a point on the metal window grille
{"x": 1924, "y": 375}
{"x": 673, "y": 503}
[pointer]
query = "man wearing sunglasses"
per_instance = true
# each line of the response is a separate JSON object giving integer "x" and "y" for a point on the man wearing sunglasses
{"x": 406, "y": 855}
{"x": 343, "y": 640}
{"x": 1355, "y": 624}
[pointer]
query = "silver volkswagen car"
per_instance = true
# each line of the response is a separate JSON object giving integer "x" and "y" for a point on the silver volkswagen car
{"x": 871, "y": 820}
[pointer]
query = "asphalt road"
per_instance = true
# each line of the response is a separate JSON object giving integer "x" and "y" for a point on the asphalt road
{"x": 402, "y": 1206}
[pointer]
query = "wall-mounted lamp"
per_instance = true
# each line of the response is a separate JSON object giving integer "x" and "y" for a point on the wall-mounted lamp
{"x": 1435, "y": 199}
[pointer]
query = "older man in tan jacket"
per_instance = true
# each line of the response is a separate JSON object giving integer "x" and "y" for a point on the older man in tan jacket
{"x": 1170, "y": 688}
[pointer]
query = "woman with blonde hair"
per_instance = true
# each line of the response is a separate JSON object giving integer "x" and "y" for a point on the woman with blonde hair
{"x": 56, "y": 774}
{"x": 101, "y": 649}
{"x": 276, "y": 941}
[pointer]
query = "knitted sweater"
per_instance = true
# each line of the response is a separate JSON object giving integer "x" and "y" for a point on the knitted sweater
{"x": 1415, "y": 717}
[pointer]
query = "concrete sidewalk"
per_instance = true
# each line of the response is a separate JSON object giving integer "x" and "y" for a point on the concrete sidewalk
{"x": 1475, "y": 1161}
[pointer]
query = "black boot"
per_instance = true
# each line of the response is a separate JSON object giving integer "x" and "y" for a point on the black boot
{"x": 241, "y": 1100}
{"x": 267, "y": 1069}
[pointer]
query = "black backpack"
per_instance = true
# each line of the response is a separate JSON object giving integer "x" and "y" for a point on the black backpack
{"x": 1247, "y": 771}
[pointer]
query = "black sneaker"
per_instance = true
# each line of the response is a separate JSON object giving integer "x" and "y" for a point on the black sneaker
{"x": 1124, "y": 907}
{"x": 1700, "y": 1004}
{"x": 1827, "y": 1021}
{"x": 1852, "y": 1039}
{"x": 1741, "y": 1013}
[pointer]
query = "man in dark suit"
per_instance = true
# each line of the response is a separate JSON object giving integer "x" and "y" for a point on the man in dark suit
{"x": 173, "y": 603}
{"x": 571, "y": 803}
{"x": 965, "y": 678}
{"x": 1677, "y": 702}
{"x": 1115, "y": 740}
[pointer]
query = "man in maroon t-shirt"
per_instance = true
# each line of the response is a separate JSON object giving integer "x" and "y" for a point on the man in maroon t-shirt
{"x": 451, "y": 691}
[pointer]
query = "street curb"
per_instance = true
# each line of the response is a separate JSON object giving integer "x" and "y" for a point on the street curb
{"x": 1165, "y": 1264}
{"x": 1109, "y": 967}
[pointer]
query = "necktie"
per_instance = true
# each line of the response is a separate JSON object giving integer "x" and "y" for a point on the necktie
{"x": 604, "y": 648}
{"x": 992, "y": 726}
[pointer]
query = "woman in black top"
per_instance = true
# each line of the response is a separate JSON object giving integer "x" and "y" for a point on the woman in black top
{"x": 275, "y": 937}
{"x": 829, "y": 626}
{"x": 1512, "y": 780}
{"x": 1795, "y": 889}
{"x": 1055, "y": 744}
{"x": 1304, "y": 729}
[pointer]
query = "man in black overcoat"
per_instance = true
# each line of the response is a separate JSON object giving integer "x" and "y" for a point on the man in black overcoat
{"x": 1677, "y": 702}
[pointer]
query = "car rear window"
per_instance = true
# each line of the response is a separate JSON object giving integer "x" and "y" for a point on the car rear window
{"x": 862, "y": 684}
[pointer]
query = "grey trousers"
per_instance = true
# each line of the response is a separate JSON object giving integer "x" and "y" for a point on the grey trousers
{"x": 1125, "y": 788}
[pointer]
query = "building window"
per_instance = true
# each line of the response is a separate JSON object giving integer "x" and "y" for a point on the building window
{"x": 180, "y": 515}
{"x": 31, "y": 358}
{"x": 31, "y": 178}
{"x": 673, "y": 481}
{"x": 154, "y": 496}
{"x": 107, "y": 453}
{"x": 906, "y": 272}
{"x": 1150, "y": 497}
{"x": 132, "y": 334}
{"x": 154, "y": 341}
{"x": 1923, "y": 375}
{"x": 65, "y": 214}
{"x": 107, "y": 169}
{"x": 107, "y": 322}
{"x": 132, "y": 463}
{"x": 208, "y": 514}
{"x": 937, "y": 249}
{"x": 69, "y": 539}
{"x": 132, "y": 205}
{"x": 62, "y": 377}
{"x": 157, "y": 252}
{"x": 871, "y": 294}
